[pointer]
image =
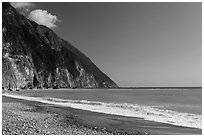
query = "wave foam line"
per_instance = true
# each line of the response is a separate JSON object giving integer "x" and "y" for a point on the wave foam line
{"x": 125, "y": 109}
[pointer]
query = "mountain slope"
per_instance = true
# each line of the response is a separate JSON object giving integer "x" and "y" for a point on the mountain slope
{"x": 33, "y": 56}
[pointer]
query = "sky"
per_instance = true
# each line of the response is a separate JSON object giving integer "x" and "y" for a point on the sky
{"x": 135, "y": 44}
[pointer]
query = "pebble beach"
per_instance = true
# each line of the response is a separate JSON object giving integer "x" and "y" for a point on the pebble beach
{"x": 25, "y": 117}
{"x": 22, "y": 119}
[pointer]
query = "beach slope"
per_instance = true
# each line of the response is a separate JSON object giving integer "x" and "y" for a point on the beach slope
{"x": 24, "y": 117}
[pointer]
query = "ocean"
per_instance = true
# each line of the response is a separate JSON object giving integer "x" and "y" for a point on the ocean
{"x": 181, "y": 107}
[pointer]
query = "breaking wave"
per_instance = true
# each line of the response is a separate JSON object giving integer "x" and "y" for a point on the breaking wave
{"x": 152, "y": 113}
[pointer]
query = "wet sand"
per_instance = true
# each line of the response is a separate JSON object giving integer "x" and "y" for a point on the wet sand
{"x": 97, "y": 123}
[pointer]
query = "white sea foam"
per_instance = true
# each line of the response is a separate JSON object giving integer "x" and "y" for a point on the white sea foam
{"x": 152, "y": 113}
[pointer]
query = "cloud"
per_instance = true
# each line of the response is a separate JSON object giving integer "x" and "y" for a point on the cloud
{"x": 42, "y": 17}
{"x": 21, "y": 4}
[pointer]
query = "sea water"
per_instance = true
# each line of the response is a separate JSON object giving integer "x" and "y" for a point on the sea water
{"x": 181, "y": 107}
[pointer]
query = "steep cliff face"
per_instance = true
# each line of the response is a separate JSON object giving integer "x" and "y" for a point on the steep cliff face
{"x": 33, "y": 56}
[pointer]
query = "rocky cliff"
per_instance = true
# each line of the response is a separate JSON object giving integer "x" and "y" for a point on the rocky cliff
{"x": 33, "y": 56}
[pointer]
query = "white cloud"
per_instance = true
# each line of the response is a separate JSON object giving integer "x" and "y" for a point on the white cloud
{"x": 42, "y": 17}
{"x": 21, "y": 4}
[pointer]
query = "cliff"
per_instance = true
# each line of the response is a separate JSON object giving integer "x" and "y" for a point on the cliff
{"x": 33, "y": 56}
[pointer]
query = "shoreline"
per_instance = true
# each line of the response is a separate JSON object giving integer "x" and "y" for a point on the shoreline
{"x": 155, "y": 113}
{"x": 99, "y": 123}
{"x": 22, "y": 117}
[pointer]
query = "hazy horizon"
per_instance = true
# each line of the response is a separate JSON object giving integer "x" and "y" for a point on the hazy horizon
{"x": 135, "y": 44}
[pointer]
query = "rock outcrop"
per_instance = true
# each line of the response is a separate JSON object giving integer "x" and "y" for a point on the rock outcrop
{"x": 33, "y": 56}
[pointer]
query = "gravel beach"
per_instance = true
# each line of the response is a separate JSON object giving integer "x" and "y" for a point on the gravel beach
{"x": 23, "y": 119}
